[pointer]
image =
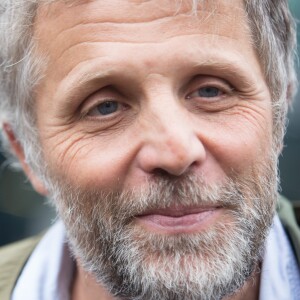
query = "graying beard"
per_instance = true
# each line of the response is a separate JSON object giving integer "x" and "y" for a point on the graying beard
{"x": 118, "y": 259}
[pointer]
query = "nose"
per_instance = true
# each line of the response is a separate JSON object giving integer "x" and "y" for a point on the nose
{"x": 171, "y": 144}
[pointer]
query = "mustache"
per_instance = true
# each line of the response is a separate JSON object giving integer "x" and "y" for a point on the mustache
{"x": 161, "y": 192}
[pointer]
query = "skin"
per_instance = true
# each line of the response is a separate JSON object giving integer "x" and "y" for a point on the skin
{"x": 151, "y": 57}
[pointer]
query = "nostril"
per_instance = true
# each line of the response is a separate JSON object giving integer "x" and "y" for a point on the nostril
{"x": 169, "y": 173}
{"x": 158, "y": 158}
{"x": 194, "y": 164}
{"x": 159, "y": 172}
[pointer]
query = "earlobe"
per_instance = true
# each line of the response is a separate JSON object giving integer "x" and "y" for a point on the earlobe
{"x": 36, "y": 183}
{"x": 19, "y": 153}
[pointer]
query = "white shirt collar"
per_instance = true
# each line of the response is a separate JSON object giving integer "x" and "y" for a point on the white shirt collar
{"x": 49, "y": 270}
{"x": 280, "y": 276}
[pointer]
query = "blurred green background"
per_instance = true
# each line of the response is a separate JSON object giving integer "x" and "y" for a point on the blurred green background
{"x": 24, "y": 213}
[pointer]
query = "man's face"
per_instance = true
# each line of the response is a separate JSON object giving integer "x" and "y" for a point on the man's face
{"x": 155, "y": 124}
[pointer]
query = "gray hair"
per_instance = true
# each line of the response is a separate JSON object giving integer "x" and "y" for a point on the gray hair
{"x": 273, "y": 37}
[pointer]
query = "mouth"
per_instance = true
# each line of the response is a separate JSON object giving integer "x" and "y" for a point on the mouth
{"x": 179, "y": 219}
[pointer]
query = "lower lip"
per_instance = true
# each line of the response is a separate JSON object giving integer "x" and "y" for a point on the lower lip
{"x": 188, "y": 223}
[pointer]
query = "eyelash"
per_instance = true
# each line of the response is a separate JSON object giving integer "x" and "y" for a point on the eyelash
{"x": 225, "y": 89}
{"x": 121, "y": 107}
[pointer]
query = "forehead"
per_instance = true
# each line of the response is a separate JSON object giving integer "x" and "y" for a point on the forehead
{"x": 138, "y": 21}
{"x": 88, "y": 36}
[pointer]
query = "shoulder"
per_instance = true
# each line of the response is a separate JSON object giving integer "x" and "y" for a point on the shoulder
{"x": 288, "y": 219}
{"x": 12, "y": 260}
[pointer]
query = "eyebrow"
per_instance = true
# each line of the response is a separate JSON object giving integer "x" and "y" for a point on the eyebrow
{"x": 229, "y": 72}
{"x": 79, "y": 83}
{"x": 86, "y": 76}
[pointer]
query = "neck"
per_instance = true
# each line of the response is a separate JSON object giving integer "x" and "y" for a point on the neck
{"x": 85, "y": 287}
{"x": 250, "y": 290}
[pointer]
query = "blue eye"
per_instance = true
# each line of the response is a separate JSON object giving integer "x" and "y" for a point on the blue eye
{"x": 107, "y": 107}
{"x": 209, "y": 92}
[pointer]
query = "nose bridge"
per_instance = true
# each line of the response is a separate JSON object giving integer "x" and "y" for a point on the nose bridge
{"x": 171, "y": 130}
{"x": 170, "y": 139}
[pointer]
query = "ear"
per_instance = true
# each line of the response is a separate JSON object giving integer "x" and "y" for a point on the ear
{"x": 19, "y": 153}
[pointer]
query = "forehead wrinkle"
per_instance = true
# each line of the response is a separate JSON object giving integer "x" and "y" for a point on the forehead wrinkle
{"x": 111, "y": 31}
{"x": 94, "y": 32}
{"x": 161, "y": 21}
{"x": 94, "y": 52}
{"x": 212, "y": 8}
{"x": 114, "y": 17}
{"x": 55, "y": 10}
{"x": 129, "y": 42}
{"x": 200, "y": 3}
{"x": 133, "y": 19}
{"x": 109, "y": 24}
{"x": 82, "y": 75}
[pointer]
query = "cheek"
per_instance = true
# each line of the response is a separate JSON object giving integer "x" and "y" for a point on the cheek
{"x": 234, "y": 142}
{"x": 238, "y": 152}
{"x": 240, "y": 140}
{"x": 90, "y": 161}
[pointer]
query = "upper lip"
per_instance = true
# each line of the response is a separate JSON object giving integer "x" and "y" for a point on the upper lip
{"x": 179, "y": 211}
